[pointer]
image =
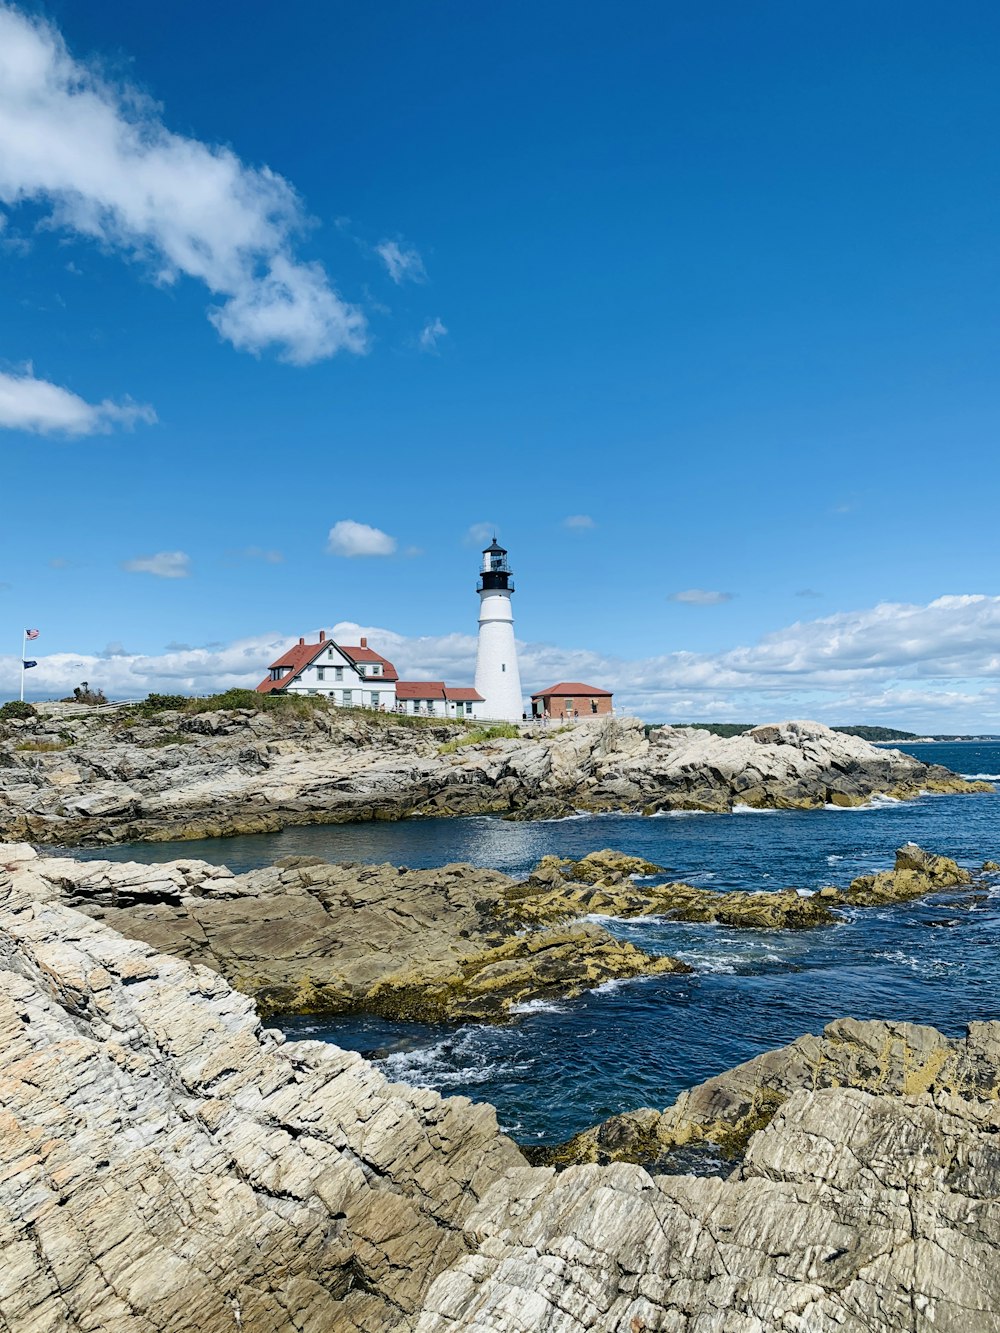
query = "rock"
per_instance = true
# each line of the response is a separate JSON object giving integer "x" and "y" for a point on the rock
{"x": 305, "y": 936}
{"x": 242, "y": 771}
{"x": 855, "y": 1211}
{"x": 916, "y": 873}
{"x": 170, "y": 1165}
{"x": 991, "y": 867}
{"x": 901, "y": 1059}
{"x": 554, "y": 892}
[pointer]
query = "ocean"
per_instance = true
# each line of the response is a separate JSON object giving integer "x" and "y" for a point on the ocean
{"x": 560, "y": 1067}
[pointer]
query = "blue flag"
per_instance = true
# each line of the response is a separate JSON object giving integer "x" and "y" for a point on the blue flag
{"x": 27, "y": 665}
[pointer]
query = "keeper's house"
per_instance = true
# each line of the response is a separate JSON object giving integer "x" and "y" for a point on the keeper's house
{"x": 571, "y": 699}
{"x": 355, "y": 676}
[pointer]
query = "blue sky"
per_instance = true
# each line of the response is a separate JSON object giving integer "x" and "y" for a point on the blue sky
{"x": 717, "y": 282}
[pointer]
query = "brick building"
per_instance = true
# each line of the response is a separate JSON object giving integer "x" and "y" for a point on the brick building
{"x": 571, "y": 699}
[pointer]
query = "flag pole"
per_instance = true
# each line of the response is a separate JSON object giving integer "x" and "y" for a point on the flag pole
{"x": 24, "y": 644}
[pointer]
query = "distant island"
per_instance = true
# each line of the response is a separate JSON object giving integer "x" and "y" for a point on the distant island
{"x": 876, "y": 735}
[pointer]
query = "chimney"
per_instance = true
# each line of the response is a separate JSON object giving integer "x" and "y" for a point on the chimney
{"x": 301, "y": 642}
{"x": 322, "y": 636}
{"x": 364, "y": 643}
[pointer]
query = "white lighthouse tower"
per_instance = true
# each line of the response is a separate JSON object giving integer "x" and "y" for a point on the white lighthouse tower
{"x": 497, "y": 677}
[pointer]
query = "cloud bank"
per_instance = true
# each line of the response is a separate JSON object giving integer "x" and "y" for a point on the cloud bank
{"x": 934, "y": 667}
{"x": 35, "y": 405}
{"x": 100, "y": 157}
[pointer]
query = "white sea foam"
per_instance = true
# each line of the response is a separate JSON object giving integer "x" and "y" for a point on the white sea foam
{"x": 877, "y": 802}
{"x": 981, "y": 777}
{"x": 679, "y": 814}
{"x": 538, "y": 1007}
{"x": 719, "y": 963}
{"x": 833, "y": 858}
{"x": 753, "y": 810}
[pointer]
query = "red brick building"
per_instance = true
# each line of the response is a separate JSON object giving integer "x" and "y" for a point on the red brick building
{"x": 571, "y": 699}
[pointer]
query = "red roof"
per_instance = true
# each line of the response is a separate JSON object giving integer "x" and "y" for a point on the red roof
{"x": 302, "y": 654}
{"x": 297, "y": 658}
{"x": 367, "y": 654}
{"x": 420, "y": 689}
{"x": 457, "y": 692}
{"x": 575, "y": 688}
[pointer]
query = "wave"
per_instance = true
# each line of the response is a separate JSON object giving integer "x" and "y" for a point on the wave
{"x": 754, "y": 810}
{"x": 455, "y": 1061}
{"x": 538, "y": 1007}
{"x": 877, "y": 802}
{"x": 679, "y": 814}
{"x": 981, "y": 777}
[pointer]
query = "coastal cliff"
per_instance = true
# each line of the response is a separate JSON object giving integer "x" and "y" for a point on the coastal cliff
{"x": 171, "y": 1165}
{"x": 88, "y": 777}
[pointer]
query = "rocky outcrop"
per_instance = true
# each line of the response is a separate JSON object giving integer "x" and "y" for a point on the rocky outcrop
{"x": 449, "y": 944}
{"x": 853, "y": 1211}
{"x": 604, "y": 884}
{"x": 305, "y": 936}
{"x": 87, "y": 778}
{"x": 168, "y": 1166}
{"x": 894, "y": 1059}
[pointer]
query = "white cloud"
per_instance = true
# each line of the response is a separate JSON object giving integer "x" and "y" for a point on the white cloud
{"x": 701, "y": 597}
{"x": 165, "y": 565}
{"x": 925, "y": 668}
{"x": 402, "y": 261}
{"x": 35, "y": 405}
{"x": 431, "y": 334}
{"x": 100, "y": 156}
{"x": 579, "y": 522}
{"x": 351, "y": 539}
{"x": 479, "y": 534}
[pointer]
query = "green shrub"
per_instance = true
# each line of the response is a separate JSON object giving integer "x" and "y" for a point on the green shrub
{"x": 502, "y": 731}
{"x": 162, "y": 703}
{"x": 16, "y": 711}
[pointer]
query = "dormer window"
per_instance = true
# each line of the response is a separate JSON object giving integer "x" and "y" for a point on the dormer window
{"x": 376, "y": 670}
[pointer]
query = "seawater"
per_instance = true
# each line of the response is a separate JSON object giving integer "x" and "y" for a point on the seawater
{"x": 562, "y": 1066}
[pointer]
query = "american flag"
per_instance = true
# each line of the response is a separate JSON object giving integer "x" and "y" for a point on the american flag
{"x": 31, "y": 634}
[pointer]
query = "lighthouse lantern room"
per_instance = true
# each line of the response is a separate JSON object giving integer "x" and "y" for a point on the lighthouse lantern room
{"x": 497, "y": 677}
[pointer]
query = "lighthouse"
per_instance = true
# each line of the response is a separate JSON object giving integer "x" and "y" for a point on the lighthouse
{"x": 497, "y": 677}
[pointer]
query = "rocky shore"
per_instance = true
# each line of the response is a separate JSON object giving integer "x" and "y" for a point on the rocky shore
{"x": 71, "y": 776}
{"x": 169, "y": 1164}
{"x": 449, "y": 944}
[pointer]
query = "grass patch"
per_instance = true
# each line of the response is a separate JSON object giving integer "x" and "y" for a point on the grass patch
{"x": 502, "y": 731}
{"x": 43, "y": 747}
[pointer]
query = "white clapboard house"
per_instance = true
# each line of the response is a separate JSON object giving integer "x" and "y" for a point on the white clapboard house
{"x": 355, "y": 676}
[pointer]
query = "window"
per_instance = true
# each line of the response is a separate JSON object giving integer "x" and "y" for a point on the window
{"x": 468, "y": 710}
{"x": 374, "y": 698}
{"x": 593, "y": 705}
{"x": 503, "y": 666}
{"x": 430, "y": 708}
{"x": 338, "y": 673}
{"x": 376, "y": 670}
{"x": 330, "y": 654}
{"x": 348, "y": 698}
{"x": 320, "y": 673}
